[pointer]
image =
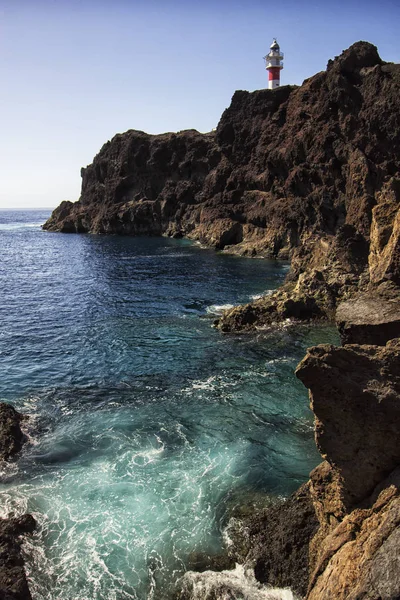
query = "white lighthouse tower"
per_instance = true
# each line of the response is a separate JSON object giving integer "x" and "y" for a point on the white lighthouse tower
{"x": 274, "y": 65}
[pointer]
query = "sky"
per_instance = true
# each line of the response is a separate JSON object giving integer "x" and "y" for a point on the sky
{"x": 74, "y": 73}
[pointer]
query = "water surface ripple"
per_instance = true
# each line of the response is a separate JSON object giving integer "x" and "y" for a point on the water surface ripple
{"x": 146, "y": 424}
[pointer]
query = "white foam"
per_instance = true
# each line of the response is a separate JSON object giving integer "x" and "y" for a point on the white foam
{"x": 218, "y": 309}
{"x": 263, "y": 295}
{"x": 12, "y": 226}
{"x": 226, "y": 585}
{"x": 211, "y": 383}
{"x": 144, "y": 457}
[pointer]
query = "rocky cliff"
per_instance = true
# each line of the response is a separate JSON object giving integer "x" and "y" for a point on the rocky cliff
{"x": 309, "y": 173}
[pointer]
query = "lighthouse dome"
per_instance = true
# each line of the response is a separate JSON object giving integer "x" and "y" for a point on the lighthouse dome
{"x": 274, "y": 45}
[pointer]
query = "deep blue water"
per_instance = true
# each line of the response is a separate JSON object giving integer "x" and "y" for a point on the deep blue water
{"x": 146, "y": 423}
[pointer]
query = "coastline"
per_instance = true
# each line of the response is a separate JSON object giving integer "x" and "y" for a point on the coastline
{"x": 292, "y": 544}
{"x": 330, "y": 203}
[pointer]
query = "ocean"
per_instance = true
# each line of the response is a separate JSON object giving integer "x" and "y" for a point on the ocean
{"x": 146, "y": 424}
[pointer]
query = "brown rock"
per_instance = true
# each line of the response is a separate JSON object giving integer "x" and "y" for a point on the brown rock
{"x": 355, "y": 393}
{"x": 360, "y": 559}
{"x": 326, "y": 492}
{"x": 369, "y": 318}
{"x": 384, "y": 257}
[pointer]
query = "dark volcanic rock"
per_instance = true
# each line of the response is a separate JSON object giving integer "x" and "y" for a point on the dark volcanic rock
{"x": 304, "y": 172}
{"x": 13, "y": 583}
{"x": 277, "y": 542}
{"x": 11, "y": 436}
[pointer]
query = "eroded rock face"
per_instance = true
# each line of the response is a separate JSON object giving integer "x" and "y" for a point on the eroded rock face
{"x": 355, "y": 396}
{"x": 360, "y": 558}
{"x": 370, "y": 318}
{"x": 302, "y": 172}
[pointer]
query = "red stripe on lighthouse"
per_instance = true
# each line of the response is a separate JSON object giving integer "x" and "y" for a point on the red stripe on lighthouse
{"x": 273, "y": 73}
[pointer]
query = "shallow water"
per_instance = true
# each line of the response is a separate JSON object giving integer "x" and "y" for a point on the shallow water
{"x": 146, "y": 423}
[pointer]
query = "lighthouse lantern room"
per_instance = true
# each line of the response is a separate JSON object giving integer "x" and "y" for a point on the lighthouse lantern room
{"x": 273, "y": 64}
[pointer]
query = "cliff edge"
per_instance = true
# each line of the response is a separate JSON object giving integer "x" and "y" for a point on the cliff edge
{"x": 309, "y": 173}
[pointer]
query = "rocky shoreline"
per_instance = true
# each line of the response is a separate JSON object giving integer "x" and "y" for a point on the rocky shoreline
{"x": 13, "y": 582}
{"x": 309, "y": 173}
{"x": 338, "y": 536}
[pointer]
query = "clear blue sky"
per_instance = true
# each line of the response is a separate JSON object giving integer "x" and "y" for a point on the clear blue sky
{"x": 74, "y": 73}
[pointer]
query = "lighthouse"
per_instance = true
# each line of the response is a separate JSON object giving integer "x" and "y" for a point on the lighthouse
{"x": 274, "y": 65}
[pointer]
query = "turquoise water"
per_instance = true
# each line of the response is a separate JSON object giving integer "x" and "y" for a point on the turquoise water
{"x": 146, "y": 423}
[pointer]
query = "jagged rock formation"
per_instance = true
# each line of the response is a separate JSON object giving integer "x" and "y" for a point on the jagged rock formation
{"x": 355, "y": 393}
{"x": 308, "y": 172}
{"x": 13, "y": 583}
{"x": 11, "y": 436}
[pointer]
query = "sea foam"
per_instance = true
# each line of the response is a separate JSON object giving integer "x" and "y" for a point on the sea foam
{"x": 229, "y": 585}
{"x": 218, "y": 309}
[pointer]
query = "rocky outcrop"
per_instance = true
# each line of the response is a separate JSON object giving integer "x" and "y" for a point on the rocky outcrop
{"x": 11, "y": 436}
{"x": 13, "y": 582}
{"x": 370, "y": 318}
{"x": 275, "y": 542}
{"x": 308, "y": 173}
{"x": 359, "y": 558}
{"x": 355, "y": 397}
